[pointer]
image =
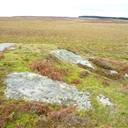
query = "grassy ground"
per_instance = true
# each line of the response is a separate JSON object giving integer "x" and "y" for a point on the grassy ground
{"x": 35, "y": 38}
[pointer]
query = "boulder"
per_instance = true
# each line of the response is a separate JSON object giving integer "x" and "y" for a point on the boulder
{"x": 65, "y": 55}
{"x": 4, "y": 46}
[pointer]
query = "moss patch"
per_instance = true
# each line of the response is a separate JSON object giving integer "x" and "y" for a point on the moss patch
{"x": 22, "y": 120}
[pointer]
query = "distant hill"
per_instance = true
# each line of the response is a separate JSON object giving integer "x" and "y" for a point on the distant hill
{"x": 36, "y": 18}
{"x": 103, "y": 17}
{"x": 81, "y": 18}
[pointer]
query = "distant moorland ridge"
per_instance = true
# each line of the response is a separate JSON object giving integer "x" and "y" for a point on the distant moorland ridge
{"x": 103, "y": 17}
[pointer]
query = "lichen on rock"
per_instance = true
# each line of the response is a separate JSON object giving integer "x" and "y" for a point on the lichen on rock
{"x": 71, "y": 57}
{"x": 34, "y": 87}
{"x": 4, "y": 46}
{"x": 104, "y": 100}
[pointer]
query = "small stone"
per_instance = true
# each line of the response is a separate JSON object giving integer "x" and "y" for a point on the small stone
{"x": 104, "y": 100}
{"x": 126, "y": 75}
{"x": 113, "y": 72}
{"x": 84, "y": 74}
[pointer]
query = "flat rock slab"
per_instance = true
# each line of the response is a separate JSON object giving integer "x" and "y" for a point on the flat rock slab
{"x": 4, "y": 46}
{"x": 63, "y": 54}
{"x": 34, "y": 87}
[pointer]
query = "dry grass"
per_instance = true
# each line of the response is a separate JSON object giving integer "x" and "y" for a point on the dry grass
{"x": 76, "y": 81}
{"x": 1, "y": 55}
{"x": 102, "y": 63}
{"x": 47, "y": 115}
{"x": 8, "y": 111}
{"x": 35, "y": 107}
{"x": 107, "y": 64}
{"x": 46, "y": 67}
{"x": 87, "y": 38}
{"x": 96, "y": 38}
{"x": 124, "y": 68}
{"x": 63, "y": 112}
{"x": 6, "y": 114}
{"x": 84, "y": 74}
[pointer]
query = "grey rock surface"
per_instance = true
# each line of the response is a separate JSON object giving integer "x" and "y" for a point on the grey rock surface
{"x": 71, "y": 57}
{"x": 126, "y": 75}
{"x": 104, "y": 100}
{"x": 4, "y": 46}
{"x": 34, "y": 87}
{"x": 113, "y": 72}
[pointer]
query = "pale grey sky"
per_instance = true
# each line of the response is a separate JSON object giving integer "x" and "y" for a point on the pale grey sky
{"x": 63, "y": 7}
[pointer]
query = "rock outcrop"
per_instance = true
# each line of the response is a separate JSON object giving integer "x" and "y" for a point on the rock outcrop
{"x": 34, "y": 87}
{"x": 65, "y": 55}
{"x": 4, "y": 46}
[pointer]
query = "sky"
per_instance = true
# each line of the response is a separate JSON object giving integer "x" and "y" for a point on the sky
{"x": 70, "y": 8}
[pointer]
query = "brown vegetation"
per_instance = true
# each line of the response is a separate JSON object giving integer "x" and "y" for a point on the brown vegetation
{"x": 64, "y": 118}
{"x": 35, "y": 107}
{"x": 1, "y": 55}
{"x": 75, "y": 81}
{"x": 84, "y": 74}
{"x": 47, "y": 115}
{"x": 124, "y": 69}
{"x": 58, "y": 115}
{"x": 6, "y": 113}
{"x": 104, "y": 65}
{"x": 106, "y": 82}
{"x": 46, "y": 68}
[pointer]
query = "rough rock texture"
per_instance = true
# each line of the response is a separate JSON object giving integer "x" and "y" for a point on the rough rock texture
{"x": 126, "y": 75}
{"x": 113, "y": 72}
{"x": 4, "y": 46}
{"x": 102, "y": 63}
{"x": 30, "y": 86}
{"x": 71, "y": 57}
{"x": 104, "y": 100}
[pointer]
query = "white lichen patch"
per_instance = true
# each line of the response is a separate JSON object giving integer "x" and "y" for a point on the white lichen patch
{"x": 126, "y": 75}
{"x": 113, "y": 72}
{"x": 104, "y": 100}
{"x": 34, "y": 87}
{"x": 71, "y": 57}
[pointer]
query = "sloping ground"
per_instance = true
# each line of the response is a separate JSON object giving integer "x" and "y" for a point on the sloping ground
{"x": 98, "y": 87}
{"x": 34, "y": 87}
{"x": 103, "y": 42}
